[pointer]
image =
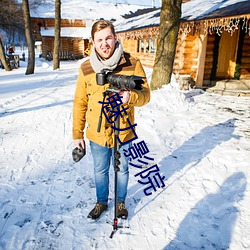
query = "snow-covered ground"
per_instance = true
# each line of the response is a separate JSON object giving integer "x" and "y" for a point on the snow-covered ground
{"x": 199, "y": 141}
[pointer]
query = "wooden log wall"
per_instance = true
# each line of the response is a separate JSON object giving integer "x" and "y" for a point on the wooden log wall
{"x": 79, "y": 46}
{"x": 185, "y": 59}
{"x": 186, "y": 55}
{"x": 47, "y": 45}
{"x": 190, "y": 56}
{"x": 131, "y": 46}
{"x": 66, "y": 44}
{"x": 146, "y": 59}
{"x": 73, "y": 45}
{"x": 245, "y": 60}
{"x": 50, "y": 22}
{"x": 178, "y": 61}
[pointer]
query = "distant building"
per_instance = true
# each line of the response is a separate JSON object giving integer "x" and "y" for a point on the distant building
{"x": 77, "y": 19}
{"x": 75, "y": 36}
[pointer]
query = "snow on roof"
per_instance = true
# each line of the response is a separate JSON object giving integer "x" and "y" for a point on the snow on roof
{"x": 79, "y": 32}
{"x": 198, "y": 9}
{"x": 145, "y": 20}
{"x": 85, "y": 10}
{"x": 192, "y": 10}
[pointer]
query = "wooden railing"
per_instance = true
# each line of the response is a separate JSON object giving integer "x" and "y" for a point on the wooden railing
{"x": 64, "y": 55}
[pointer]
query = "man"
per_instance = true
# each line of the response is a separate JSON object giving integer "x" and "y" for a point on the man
{"x": 107, "y": 54}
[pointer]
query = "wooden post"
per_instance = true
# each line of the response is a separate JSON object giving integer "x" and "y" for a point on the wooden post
{"x": 201, "y": 60}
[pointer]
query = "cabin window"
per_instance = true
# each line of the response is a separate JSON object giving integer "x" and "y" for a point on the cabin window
{"x": 152, "y": 45}
{"x": 146, "y": 45}
{"x": 140, "y": 45}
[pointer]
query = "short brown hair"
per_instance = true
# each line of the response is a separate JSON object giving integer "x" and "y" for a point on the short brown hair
{"x": 101, "y": 24}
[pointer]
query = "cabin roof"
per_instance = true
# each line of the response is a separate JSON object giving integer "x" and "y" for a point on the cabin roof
{"x": 193, "y": 10}
{"x": 208, "y": 9}
{"x": 85, "y": 10}
{"x": 140, "y": 21}
{"x": 77, "y": 32}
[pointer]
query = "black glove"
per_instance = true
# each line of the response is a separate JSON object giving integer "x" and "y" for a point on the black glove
{"x": 78, "y": 153}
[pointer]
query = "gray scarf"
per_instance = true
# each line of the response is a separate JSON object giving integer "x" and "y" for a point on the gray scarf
{"x": 110, "y": 64}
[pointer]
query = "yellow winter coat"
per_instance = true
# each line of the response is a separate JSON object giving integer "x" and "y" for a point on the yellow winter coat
{"x": 86, "y": 106}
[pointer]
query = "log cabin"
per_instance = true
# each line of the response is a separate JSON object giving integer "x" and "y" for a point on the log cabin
{"x": 213, "y": 41}
{"x": 74, "y": 37}
{"x": 77, "y": 19}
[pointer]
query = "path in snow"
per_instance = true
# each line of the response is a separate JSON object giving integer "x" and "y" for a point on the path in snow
{"x": 200, "y": 143}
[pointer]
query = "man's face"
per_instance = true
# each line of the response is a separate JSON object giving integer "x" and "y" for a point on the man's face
{"x": 104, "y": 42}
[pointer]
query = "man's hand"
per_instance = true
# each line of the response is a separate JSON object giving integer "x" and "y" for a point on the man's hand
{"x": 125, "y": 96}
{"x": 79, "y": 143}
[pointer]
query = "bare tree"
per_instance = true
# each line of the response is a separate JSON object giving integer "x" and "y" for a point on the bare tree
{"x": 28, "y": 33}
{"x": 11, "y": 24}
{"x": 3, "y": 57}
{"x": 36, "y": 3}
{"x": 56, "y": 59}
{"x": 11, "y": 17}
{"x": 168, "y": 34}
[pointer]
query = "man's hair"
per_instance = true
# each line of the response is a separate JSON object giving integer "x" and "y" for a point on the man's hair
{"x": 101, "y": 24}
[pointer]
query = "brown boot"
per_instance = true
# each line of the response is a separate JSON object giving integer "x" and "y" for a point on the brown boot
{"x": 122, "y": 211}
{"x": 97, "y": 210}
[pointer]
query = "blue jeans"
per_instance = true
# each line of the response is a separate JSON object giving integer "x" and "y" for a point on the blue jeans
{"x": 102, "y": 157}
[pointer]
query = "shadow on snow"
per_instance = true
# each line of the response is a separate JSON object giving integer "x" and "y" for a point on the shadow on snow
{"x": 209, "y": 225}
{"x": 23, "y": 110}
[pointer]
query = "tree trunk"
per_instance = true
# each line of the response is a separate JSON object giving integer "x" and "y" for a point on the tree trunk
{"x": 168, "y": 34}
{"x": 28, "y": 33}
{"x": 3, "y": 57}
{"x": 56, "y": 59}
